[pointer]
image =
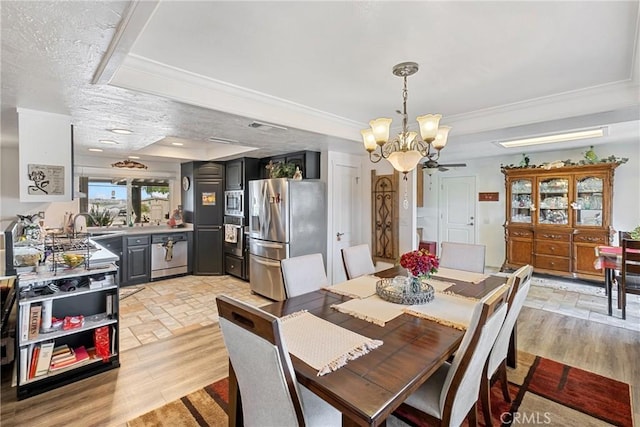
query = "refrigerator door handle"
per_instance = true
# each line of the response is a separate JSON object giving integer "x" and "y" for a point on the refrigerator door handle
{"x": 269, "y": 244}
{"x": 267, "y": 263}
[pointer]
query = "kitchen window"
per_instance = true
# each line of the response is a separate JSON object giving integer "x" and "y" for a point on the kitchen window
{"x": 128, "y": 200}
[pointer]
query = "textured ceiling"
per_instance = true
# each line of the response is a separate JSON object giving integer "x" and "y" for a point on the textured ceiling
{"x": 322, "y": 69}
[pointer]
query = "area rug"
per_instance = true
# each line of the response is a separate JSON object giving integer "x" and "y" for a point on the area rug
{"x": 126, "y": 292}
{"x": 543, "y": 392}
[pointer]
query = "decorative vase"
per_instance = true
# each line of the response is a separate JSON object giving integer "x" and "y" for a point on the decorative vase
{"x": 414, "y": 284}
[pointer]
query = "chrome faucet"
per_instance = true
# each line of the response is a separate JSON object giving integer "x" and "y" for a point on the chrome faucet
{"x": 89, "y": 219}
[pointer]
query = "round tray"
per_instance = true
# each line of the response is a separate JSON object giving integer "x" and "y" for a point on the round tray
{"x": 399, "y": 292}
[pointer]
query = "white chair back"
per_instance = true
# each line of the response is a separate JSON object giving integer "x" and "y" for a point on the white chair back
{"x": 303, "y": 274}
{"x": 357, "y": 261}
{"x": 463, "y": 256}
{"x": 520, "y": 284}
{"x": 261, "y": 364}
{"x": 462, "y": 384}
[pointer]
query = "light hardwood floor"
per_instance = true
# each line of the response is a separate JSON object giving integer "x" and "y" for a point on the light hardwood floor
{"x": 159, "y": 372}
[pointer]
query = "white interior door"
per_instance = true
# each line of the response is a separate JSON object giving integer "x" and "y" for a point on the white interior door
{"x": 458, "y": 209}
{"x": 345, "y": 212}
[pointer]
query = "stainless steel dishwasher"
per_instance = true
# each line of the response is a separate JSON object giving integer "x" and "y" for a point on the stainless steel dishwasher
{"x": 169, "y": 255}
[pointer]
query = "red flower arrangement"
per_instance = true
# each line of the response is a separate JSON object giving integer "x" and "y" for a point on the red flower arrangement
{"x": 420, "y": 262}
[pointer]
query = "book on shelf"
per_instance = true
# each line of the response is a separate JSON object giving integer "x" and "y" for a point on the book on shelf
{"x": 34, "y": 320}
{"x": 44, "y": 358}
{"x": 25, "y": 312}
{"x": 62, "y": 353}
{"x": 79, "y": 355}
{"x": 34, "y": 361}
{"x": 24, "y": 363}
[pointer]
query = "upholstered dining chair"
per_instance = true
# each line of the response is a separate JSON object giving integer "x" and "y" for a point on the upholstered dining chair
{"x": 451, "y": 393}
{"x": 629, "y": 278}
{"x": 303, "y": 274}
{"x": 357, "y": 261}
{"x": 519, "y": 283}
{"x": 462, "y": 256}
{"x": 270, "y": 393}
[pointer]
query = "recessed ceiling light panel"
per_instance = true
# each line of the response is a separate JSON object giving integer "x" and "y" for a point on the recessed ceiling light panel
{"x": 96, "y": 150}
{"x": 108, "y": 142}
{"x": 177, "y": 144}
{"x": 134, "y": 157}
{"x": 558, "y": 137}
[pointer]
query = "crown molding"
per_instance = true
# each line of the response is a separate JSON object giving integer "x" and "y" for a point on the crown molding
{"x": 145, "y": 75}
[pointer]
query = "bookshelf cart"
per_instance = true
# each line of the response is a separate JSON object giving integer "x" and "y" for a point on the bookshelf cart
{"x": 88, "y": 291}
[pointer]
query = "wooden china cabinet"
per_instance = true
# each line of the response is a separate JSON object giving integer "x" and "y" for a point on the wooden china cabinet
{"x": 556, "y": 217}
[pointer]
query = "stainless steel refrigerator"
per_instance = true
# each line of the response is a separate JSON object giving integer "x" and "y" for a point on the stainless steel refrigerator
{"x": 287, "y": 218}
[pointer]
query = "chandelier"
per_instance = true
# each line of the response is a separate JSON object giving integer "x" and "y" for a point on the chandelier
{"x": 405, "y": 150}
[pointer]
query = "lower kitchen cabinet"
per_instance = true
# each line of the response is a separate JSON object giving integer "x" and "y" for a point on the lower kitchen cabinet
{"x": 208, "y": 246}
{"x": 66, "y": 329}
{"x": 234, "y": 265}
{"x": 137, "y": 262}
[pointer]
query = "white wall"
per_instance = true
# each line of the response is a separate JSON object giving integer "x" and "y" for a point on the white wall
{"x": 491, "y": 215}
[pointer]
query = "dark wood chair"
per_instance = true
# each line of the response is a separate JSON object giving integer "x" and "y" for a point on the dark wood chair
{"x": 629, "y": 278}
{"x": 260, "y": 363}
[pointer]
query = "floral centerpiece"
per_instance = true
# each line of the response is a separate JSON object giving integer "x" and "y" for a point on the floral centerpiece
{"x": 421, "y": 264}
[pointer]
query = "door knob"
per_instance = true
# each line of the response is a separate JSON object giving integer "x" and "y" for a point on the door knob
{"x": 338, "y": 235}
{"x": 470, "y": 223}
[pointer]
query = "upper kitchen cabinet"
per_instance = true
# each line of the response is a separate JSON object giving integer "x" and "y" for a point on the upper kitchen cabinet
{"x": 45, "y": 156}
{"x": 556, "y": 217}
{"x": 208, "y": 170}
{"x": 238, "y": 172}
{"x": 307, "y": 161}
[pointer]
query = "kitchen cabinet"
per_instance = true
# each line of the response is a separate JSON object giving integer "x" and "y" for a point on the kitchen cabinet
{"x": 137, "y": 262}
{"x": 307, "y": 161}
{"x": 75, "y": 309}
{"x": 240, "y": 171}
{"x": 556, "y": 217}
{"x": 208, "y": 170}
{"x": 208, "y": 244}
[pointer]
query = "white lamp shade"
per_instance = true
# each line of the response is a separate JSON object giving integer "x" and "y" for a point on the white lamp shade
{"x": 404, "y": 161}
{"x": 429, "y": 126}
{"x": 380, "y": 129}
{"x": 441, "y": 137}
{"x": 368, "y": 139}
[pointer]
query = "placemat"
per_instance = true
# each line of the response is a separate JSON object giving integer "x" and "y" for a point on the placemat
{"x": 446, "y": 309}
{"x": 328, "y": 347}
{"x": 464, "y": 276}
{"x": 373, "y": 309}
{"x": 360, "y": 287}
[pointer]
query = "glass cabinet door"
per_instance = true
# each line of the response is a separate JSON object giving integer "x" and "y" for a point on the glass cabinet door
{"x": 553, "y": 204}
{"x": 588, "y": 202}
{"x": 521, "y": 201}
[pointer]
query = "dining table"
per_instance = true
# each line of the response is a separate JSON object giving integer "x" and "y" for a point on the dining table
{"x": 369, "y": 388}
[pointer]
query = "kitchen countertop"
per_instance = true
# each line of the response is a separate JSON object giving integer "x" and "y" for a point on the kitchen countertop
{"x": 98, "y": 233}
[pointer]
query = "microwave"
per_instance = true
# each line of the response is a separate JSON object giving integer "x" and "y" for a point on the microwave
{"x": 234, "y": 203}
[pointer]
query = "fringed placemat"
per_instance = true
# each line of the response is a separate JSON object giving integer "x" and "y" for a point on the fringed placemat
{"x": 360, "y": 287}
{"x": 448, "y": 310}
{"x": 463, "y": 276}
{"x": 373, "y": 309}
{"x": 321, "y": 344}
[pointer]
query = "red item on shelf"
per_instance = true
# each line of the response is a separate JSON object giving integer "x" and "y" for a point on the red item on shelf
{"x": 72, "y": 322}
{"x": 101, "y": 340}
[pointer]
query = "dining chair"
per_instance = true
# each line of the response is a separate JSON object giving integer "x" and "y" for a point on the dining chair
{"x": 357, "y": 261}
{"x": 629, "y": 278}
{"x": 303, "y": 274}
{"x": 258, "y": 356}
{"x": 450, "y": 394}
{"x": 463, "y": 256}
{"x": 519, "y": 283}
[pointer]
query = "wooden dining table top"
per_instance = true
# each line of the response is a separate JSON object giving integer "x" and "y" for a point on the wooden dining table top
{"x": 368, "y": 389}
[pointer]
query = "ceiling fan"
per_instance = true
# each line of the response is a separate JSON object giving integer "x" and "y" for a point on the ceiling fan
{"x": 432, "y": 165}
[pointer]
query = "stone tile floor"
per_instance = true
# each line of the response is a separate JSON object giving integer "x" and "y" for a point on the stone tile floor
{"x": 179, "y": 305}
